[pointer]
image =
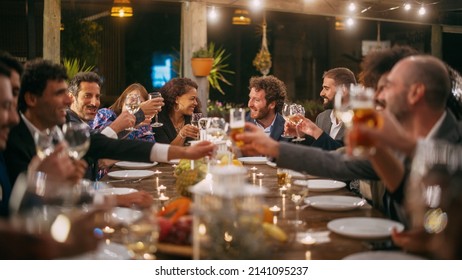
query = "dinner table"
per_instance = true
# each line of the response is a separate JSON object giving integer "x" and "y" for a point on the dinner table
{"x": 313, "y": 240}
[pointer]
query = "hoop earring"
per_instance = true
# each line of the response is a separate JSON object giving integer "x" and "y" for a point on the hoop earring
{"x": 176, "y": 108}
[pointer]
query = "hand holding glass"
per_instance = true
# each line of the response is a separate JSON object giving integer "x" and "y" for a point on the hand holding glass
{"x": 236, "y": 123}
{"x": 132, "y": 104}
{"x": 153, "y": 95}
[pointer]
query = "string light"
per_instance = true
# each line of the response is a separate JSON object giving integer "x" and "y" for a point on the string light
{"x": 422, "y": 11}
{"x": 352, "y": 7}
{"x": 213, "y": 15}
{"x": 407, "y": 6}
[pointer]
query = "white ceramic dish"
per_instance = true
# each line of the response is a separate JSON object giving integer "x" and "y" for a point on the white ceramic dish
{"x": 105, "y": 251}
{"x": 131, "y": 174}
{"x": 117, "y": 191}
{"x": 321, "y": 185}
{"x": 364, "y": 228}
{"x": 383, "y": 255}
{"x": 135, "y": 165}
{"x": 253, "y": 160}
{"x": 296, "y": 174}
{"x": 126, "y": 216}
{"x": 335, "y": 202}
{"x": 174, "y": 161}
{"x": 270, "y": 163}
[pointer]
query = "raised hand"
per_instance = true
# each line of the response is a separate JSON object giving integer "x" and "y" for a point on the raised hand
{"x": 123, "y": 121}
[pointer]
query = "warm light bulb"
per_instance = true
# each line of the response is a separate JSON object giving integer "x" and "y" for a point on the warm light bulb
{"x": 407, "y": 6}
{"x": 350, "y": 22}
{"x": 213, "y": 15}
{"x": 352, "y": 7}
{"x": 256, "y": 4}
{"x": 121, "y": 13}
{"x": 422, "y": 11}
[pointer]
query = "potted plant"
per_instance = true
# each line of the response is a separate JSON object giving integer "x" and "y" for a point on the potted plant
{"x": 215, "y": 74}
{"x": 202, "y": 62}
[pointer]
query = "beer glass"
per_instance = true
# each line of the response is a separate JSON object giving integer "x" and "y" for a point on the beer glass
{"x": 236, "y": 123}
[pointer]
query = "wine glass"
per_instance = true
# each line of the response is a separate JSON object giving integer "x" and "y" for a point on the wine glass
{"x": 285, "y": 112}
{"x": 342, "y": 106}
{"x": 141, "y": 236}
{"x": 297, "y": 112}
{"x": 132, "y": 104}
{"x": 46, "y": 141}
{"x": 156, "y": 122}
{"x": 77, "y": 136}
{"x": 297, "y": 194}
{"x": 195, "y": 121}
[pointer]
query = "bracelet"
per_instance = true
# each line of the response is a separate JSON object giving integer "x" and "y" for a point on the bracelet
{"x": 181, "y": 135}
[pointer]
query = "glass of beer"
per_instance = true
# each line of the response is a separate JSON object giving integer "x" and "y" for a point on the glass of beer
{"x": 283, "y": 177}
{"x": 236, "y": 123}
{"x": 364, "y": 113}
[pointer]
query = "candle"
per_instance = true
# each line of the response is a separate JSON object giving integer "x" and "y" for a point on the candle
{"x": 260, "y": 175}
{"x": 254, "y": 169}
{"x": 157, "y": 182}
{"x": 163, "y": 197}
{"x": 283, "y": 191}
{"x": 275, "y": 209}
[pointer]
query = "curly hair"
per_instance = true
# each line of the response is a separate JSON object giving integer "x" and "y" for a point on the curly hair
{"x": 174, "y": 88}
{"x": 377, "y": 63}
{"x": 37, "y": 73}
{"x": 119, "y": 103}
{"x": 275, "y": 89}
{"x": 90, "y": 77}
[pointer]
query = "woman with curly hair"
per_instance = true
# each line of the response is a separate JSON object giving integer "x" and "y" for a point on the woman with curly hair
{"x": 181, "y": 101}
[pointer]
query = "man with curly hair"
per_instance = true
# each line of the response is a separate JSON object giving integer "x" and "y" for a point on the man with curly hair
{"x": 266, "y": 98}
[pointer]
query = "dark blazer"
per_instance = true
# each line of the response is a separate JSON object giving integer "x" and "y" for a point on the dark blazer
{"x": 278, "y": 127}
{"x": 21, "y": 149}
{"x": 167, "y": 133}
{"x": 5, "y": 187}
{"x": 324, "y": 141}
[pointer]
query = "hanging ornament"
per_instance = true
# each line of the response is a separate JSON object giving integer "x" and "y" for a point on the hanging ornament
{"x": 262, "y": 60}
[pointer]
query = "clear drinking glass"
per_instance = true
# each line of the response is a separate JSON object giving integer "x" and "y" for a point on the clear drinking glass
{"x": 195, "y": 117}
{"x": 236, "y": 123}
{"x": 141, "y": 236}
{"x": 297, "y": 112}
{"x": 286, "y": 114}
{"x": 156, "y": 122}
{"x": 132, "y": 104}
{"x": 297, "y": 194}
{"x": 77, "y": 136}
{"x": 46, "y": 141}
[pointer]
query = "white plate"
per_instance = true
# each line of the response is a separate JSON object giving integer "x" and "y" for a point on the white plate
{"x": 126, "y": 216}
{"x": 296, "y": 174}
{"x": 135, "y": 165}
{"x": 131, "y": 174}
{"x": 334, "y": 202}
{"x": 105, "y": 251}
{"x": 383, "y": 255}
{"x": 117, "y": 191}
{"x": 270, "y": 163}
{"x": 364, "y": 228}
{"x": 174, "y": 161}
{"x": 321, "y": 185}
{"x": 253, "y": 160}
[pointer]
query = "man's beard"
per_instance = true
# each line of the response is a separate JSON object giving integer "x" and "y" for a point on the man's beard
{"x": 328, "y": 105}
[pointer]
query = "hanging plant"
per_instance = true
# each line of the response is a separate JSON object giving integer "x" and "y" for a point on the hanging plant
{"x": 262, "y": 60}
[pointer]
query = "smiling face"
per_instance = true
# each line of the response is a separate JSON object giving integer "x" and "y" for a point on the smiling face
{"x": 258, "y": 106}
{"x": 328, "y": 92}
{"x": 87, "y": 101}
{"x": 187, "y": 102}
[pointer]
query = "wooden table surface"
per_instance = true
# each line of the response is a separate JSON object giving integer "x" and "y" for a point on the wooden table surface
{"x": 332, "y": 247}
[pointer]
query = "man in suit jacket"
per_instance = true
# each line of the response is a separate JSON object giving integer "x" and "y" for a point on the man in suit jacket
{"x": 266, "y": 98}
{"x": 327, "y": 132}
{"x": 43, "y": 104}
{"x": 416, "y": 93}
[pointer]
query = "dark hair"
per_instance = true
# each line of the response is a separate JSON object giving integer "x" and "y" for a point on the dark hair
{"x": 340, "y": 75}
{"x": 36, "y": 75}
{"x": 174, "y": 88}
{"x": 377, "y": 63}
{"x": 275, "y": 89}
{"x": 4, "y": 71}
{"x": 91, "y": 77}
{"x": 119, "y": 103}
{"x": 11, "y": 62}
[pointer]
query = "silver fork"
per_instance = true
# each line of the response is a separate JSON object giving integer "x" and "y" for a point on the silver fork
{"x": 124, "y": 180}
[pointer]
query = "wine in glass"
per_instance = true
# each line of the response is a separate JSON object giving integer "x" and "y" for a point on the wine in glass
{"x": 45, "y": 141}
{"x": 132, "y": 104}
{"x": 77, "y": 136}
{"x": 285, "y": 112}
{"x": 156, "y": 122}
{"x": 297, "y": 112}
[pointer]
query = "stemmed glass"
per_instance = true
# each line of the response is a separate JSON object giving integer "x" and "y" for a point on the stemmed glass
{"x": 153, "y": 95}
{"x": 297, "y": 195}
{"x": 195, "y": 120}
{"x": 297, "y": 112}
{"x": 77, "y": 136}
{"x": 286, "y": 114}
{"x": 342, "y": 107}
{"x": 132, "y": 104}
{"x": 46, "y": 141}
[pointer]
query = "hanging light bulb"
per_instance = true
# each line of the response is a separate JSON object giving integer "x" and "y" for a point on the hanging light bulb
{"x": 256, "y": 4}
{"x": 352, "y": 7}
{"x": 121, "y": 8}
{"x": 213, "y": 15}
{"x": 422, "y": 11}
{"x": 350, "y": 22}
{"x": 407, "y": 6}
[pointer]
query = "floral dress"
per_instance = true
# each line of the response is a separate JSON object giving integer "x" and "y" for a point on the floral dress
{"x": 104, "y": 117}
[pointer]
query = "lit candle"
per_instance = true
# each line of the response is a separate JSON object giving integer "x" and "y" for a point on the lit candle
{"x": 157, "y": 182}
{"x": 260, "y": 175}
{"x": 157, "y": 172}
{"x": 163, "y": 197}
{"x": 260, "y": 183}
{"x": 254, "y": 169}
{"x": 161, "y": 188}
{"x": 275, "y": 209}
{"x": 283, "y": 191}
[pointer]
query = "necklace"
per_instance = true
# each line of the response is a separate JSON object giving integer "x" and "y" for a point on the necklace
{"x": 179, "y": 126}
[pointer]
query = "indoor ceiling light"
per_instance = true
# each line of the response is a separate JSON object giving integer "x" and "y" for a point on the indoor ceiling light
{"x": 121, "y": 8}
{"x": 241, "y": 17}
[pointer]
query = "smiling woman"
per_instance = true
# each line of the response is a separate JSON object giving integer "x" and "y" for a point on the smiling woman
{"x": 181, "y": 101}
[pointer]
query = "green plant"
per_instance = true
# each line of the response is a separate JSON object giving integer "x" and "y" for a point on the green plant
{"x": 219, "y": 66}
{"x": 312, "y": 108}
{"x": 74, "y": 66}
